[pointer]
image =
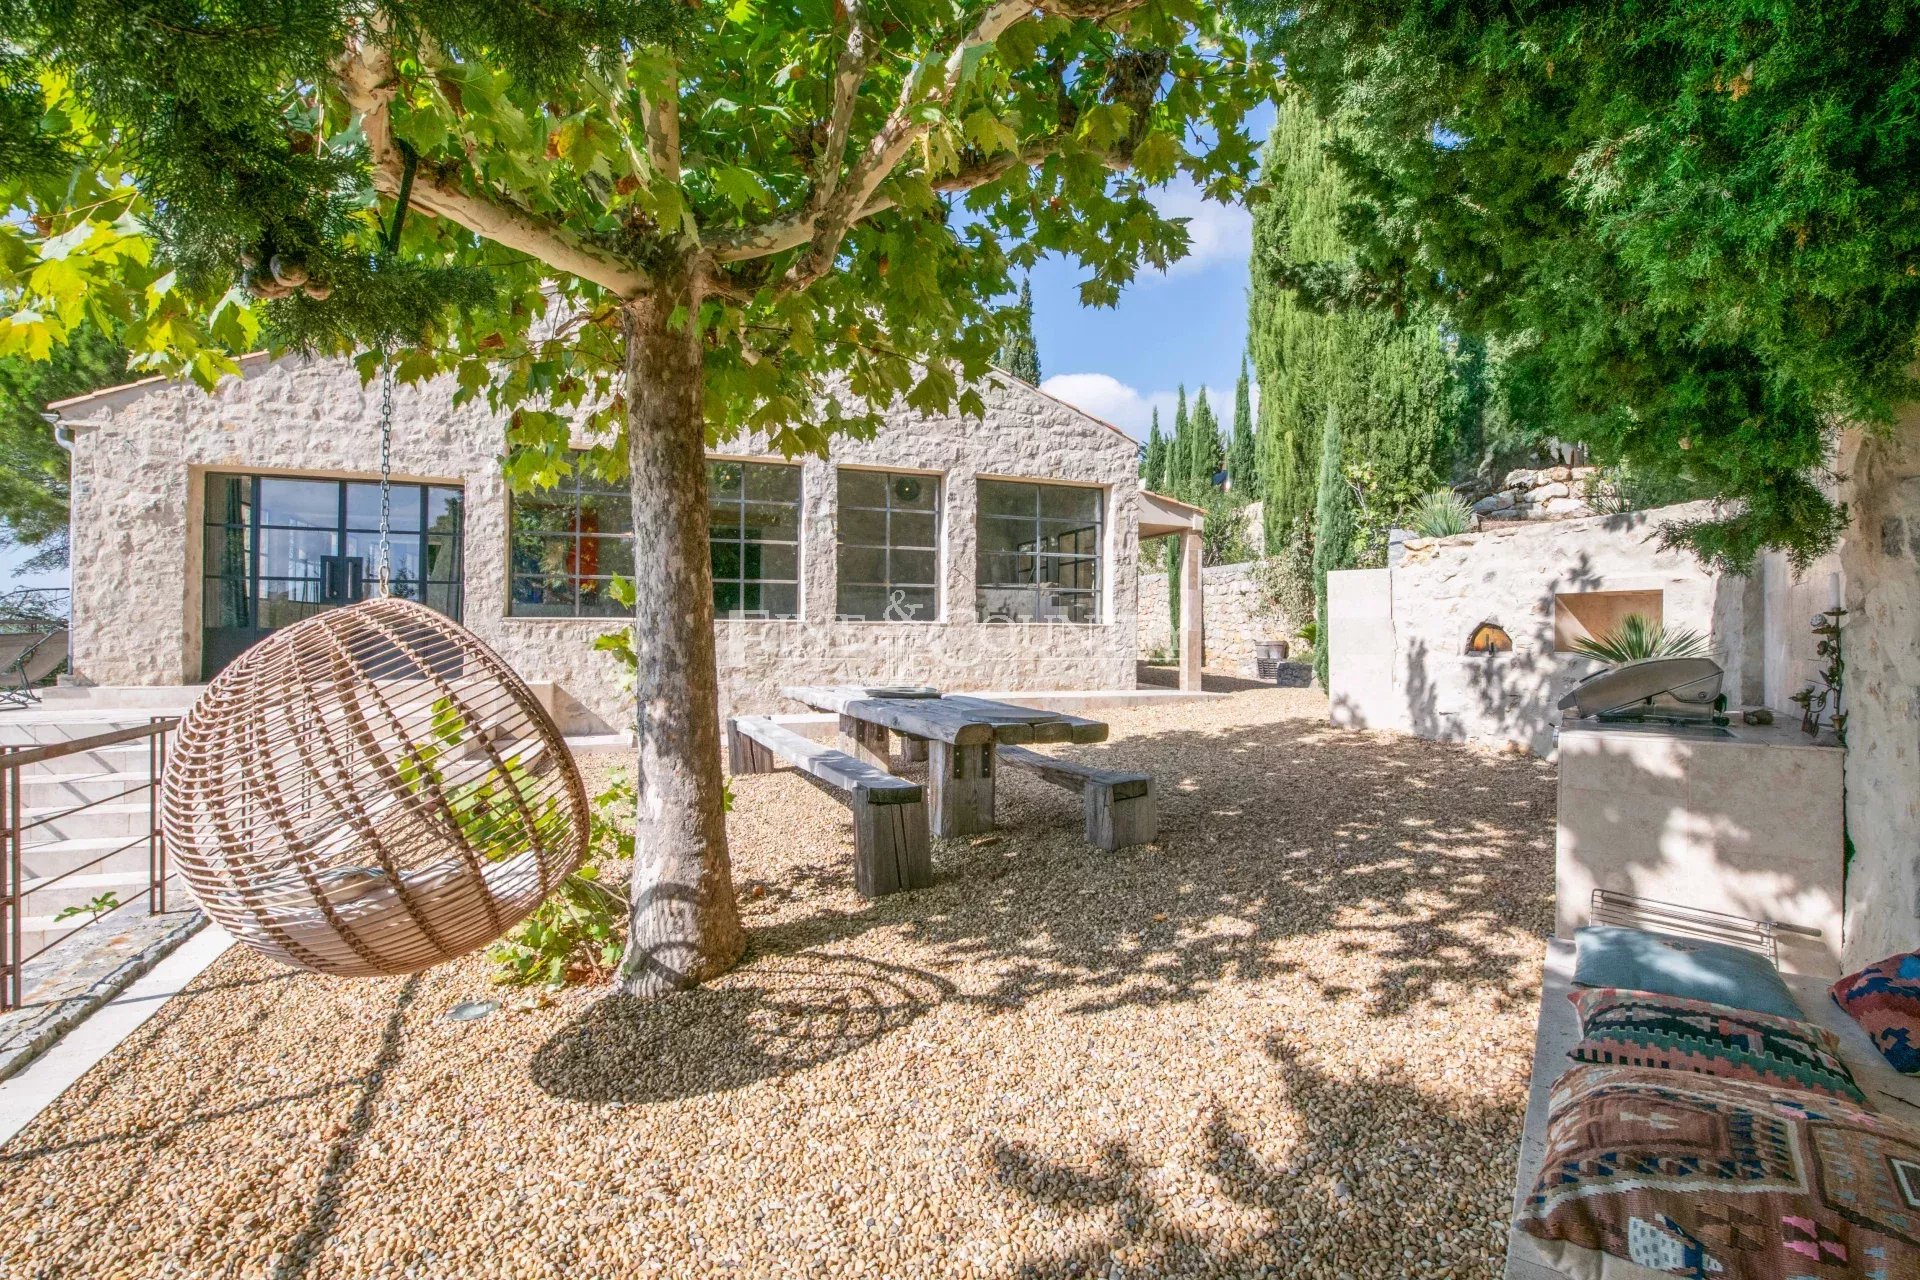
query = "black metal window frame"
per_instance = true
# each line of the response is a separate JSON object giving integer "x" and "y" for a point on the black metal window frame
{"x": 756, "y": 576}
{"x": 1052, "y": 564}
{"x": 587, "y": 595}
{"x": 450, "y": 601}
{"x": 907, "y": 594}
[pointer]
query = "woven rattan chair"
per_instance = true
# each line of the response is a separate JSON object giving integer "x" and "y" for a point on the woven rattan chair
{"x": 371, "y": 791}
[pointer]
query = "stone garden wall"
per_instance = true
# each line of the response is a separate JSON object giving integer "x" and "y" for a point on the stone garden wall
{"x": 1234, "y": 616}
{"x": 1546, "y": 493}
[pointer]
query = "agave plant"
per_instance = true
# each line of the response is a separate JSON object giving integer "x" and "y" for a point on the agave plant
{"x": 1636, "y": 637}
{"x": 1440, "y": 514}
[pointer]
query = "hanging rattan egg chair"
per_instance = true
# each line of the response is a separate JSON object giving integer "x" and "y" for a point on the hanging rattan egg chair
{"x": 371, "y": 791}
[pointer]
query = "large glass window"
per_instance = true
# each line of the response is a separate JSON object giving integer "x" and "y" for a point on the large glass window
{"x": 569, "y": 542}
{"x": 755, "y": 539}
{"x": 889, "y": 546}
{"x": 1039, "y": 552}
{"x": 279, "y": 549}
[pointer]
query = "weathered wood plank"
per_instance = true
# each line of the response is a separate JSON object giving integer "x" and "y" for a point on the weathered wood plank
{"x": 744, "y": 755}
{"x": 960, "y": 776}
{"x": 912, "y": 748}
{"x": 865, "y": 742}
{"x": 835, "y": 697}
{"x": 833, "y": 767}
{"x": 930, "y": 718}
{"x": 1120, "y": 808}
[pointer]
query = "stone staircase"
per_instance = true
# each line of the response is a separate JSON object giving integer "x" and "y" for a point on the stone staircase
{"x": 100, "y": 848}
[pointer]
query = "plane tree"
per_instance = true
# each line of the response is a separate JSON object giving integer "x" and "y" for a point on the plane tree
{"x": 660, "y": 223}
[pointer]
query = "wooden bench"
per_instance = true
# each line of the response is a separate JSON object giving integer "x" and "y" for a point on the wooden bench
{"x": 890, "y": 850}
{"x": 1119, "y": 806}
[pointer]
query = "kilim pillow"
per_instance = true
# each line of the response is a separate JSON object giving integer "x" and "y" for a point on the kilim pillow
{"x": 1642, "y": 1029}
{"x": 1652, "y": 1173}
{"x": 1884, "y": 999}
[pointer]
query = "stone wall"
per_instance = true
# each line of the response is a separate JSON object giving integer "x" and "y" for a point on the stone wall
{"x": 1545, "y": 493}
{"x": 141, "y": 454}
{"x": 1235, "y": 618}
{"x": 1428, "y": 605}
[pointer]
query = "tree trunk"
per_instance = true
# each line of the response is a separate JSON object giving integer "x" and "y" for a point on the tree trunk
{"x": 685, "y": 923}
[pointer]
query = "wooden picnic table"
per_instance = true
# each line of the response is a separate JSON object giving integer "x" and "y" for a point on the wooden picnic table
{"x": 959, "y": 735}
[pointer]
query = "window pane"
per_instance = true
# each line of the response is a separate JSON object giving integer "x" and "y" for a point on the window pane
{"x": 862, "y": 488}
{"x": 443, "y": 558}
{"x": 863, "y": 528}
{"x": 771, "y": 520}
{"x": 445, "y": 509}
{"x": 224, "y": 602}
{"x": 1006, "y": 604}
{"x": 723, "y": 479}
{"x": 912, "y": 567}
{"x": 726, "y": 598}
{"x": 542, "y": 597}
{"x": 1004, "y": 570}
{"x": 602, "y": 557}
{"x": 548, "y": 512}
{"x": 363, "y": 506}
{"x": 726, "y": 559}
{"x": 775, "y": 599}
{"x": 311, "y": 504}
{"x": 863, "y": 565}
{"x": 605, "y": 513}
{"x": 913, "y": 529}
{"x": 725, "y": 520}
{"x": 229, "y": 499}
{"x": 771, "y": 560}
{"x": 771, "y": 482}
{"x": 1000, "y": 536}
{"x": 913, "y": 493}
{"x": 226, "y": 551}
{"x": 294, "y": 553}
{"x": 596, "y": 599}
{"x": 1001, "y": 498}
{"x": 1060, "y": 502}
{"x": 444, "y": 596}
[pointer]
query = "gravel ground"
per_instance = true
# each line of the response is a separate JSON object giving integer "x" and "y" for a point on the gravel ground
{"x": 1291, "y": 1039}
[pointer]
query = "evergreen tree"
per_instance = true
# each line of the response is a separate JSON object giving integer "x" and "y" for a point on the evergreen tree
{"x": 1180, "y": 446}
{"x": 1153, "y": 472}
{"x": 1332, "y": 534}
{"x": 1019, "y": 355}
{"x": 1700, "y": 216}
{"x": 607, "y": 236}
{"x": 1387, "y": 377}
{"x": 1243, "y": 467}
{"x": 1204, "y": 454}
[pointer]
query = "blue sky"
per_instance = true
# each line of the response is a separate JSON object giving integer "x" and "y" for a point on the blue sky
{"x": 1187, "y": 325}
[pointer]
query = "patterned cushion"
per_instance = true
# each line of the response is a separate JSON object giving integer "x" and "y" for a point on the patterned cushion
{"x": 1884, "y": 999}
{"x": 1668, "y": 1173}
{"x": 1641, "y": 960}
{"x": 1642, "y": 1029}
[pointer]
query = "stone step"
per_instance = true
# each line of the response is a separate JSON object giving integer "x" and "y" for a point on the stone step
{"x": 124, "y": 757}
{"x": 47, "y": 824}
{"x": 63, "y": 790}
{"x": 45, "y": 897}
{"x": 54, "y": 857}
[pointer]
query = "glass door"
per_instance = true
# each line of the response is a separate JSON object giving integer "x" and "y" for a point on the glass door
{"x": 280, "y": 549}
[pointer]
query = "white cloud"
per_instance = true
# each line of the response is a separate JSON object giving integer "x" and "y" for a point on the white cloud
{"x": 1218, "y": 234}
{"x": 1108, "y": 398}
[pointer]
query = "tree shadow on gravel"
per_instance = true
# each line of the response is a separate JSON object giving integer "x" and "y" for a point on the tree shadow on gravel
{"x": 774, "y": 1015}
{"x": 1382, "y": 1181}
{"x": 1429, "y": 865}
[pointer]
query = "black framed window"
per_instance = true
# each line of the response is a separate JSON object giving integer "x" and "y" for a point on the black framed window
{"x": 1039, "y": 552}
{"x": 567, "y": 544}
{"x": 889, "y": 553}
{"x": 279, "y": 549}
{"x": 755, "y": 539}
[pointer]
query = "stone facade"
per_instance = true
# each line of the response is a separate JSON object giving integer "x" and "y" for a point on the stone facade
{"x": 1235, "y": 616}
{"x": 141, "y": 453}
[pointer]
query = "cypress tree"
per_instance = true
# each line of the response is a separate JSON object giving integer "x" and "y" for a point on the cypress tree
{"x": 1019, "y": 355}
{"x": 1153, "y": 470}
{"x": 1333, "y": 531}
{"x": 1387, "y": 377}
{"x": 1203, "y": 446}
{"x": 1243, "y": 468}
{"x": 1178, "y": 447}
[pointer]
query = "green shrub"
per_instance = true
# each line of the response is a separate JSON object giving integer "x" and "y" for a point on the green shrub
{"x": 1284, "y": 580}
{"x": 1440, "y": 514}
{"x": 577, "y": 934}
{"x": 1637, "y": 638}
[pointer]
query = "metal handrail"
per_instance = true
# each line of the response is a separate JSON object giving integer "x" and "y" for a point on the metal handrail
{"x": 13, "y": 761}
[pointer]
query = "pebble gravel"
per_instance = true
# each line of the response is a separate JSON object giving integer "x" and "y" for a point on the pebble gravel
{"x": 1289, "y": 1039}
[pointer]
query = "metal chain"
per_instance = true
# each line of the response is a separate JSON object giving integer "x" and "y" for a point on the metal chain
{"x": 386, "y": 469}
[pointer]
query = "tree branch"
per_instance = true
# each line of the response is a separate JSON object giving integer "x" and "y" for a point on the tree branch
{"x": 823, "y": 223}
{"x": 661, "y": 120}
{"x": 369, "y": 82}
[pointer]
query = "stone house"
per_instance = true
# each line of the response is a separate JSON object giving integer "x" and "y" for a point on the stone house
{"x": 988, "y": 555}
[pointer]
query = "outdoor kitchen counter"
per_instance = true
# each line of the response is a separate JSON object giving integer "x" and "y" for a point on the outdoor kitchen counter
{"x": 1747, "y": 823}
